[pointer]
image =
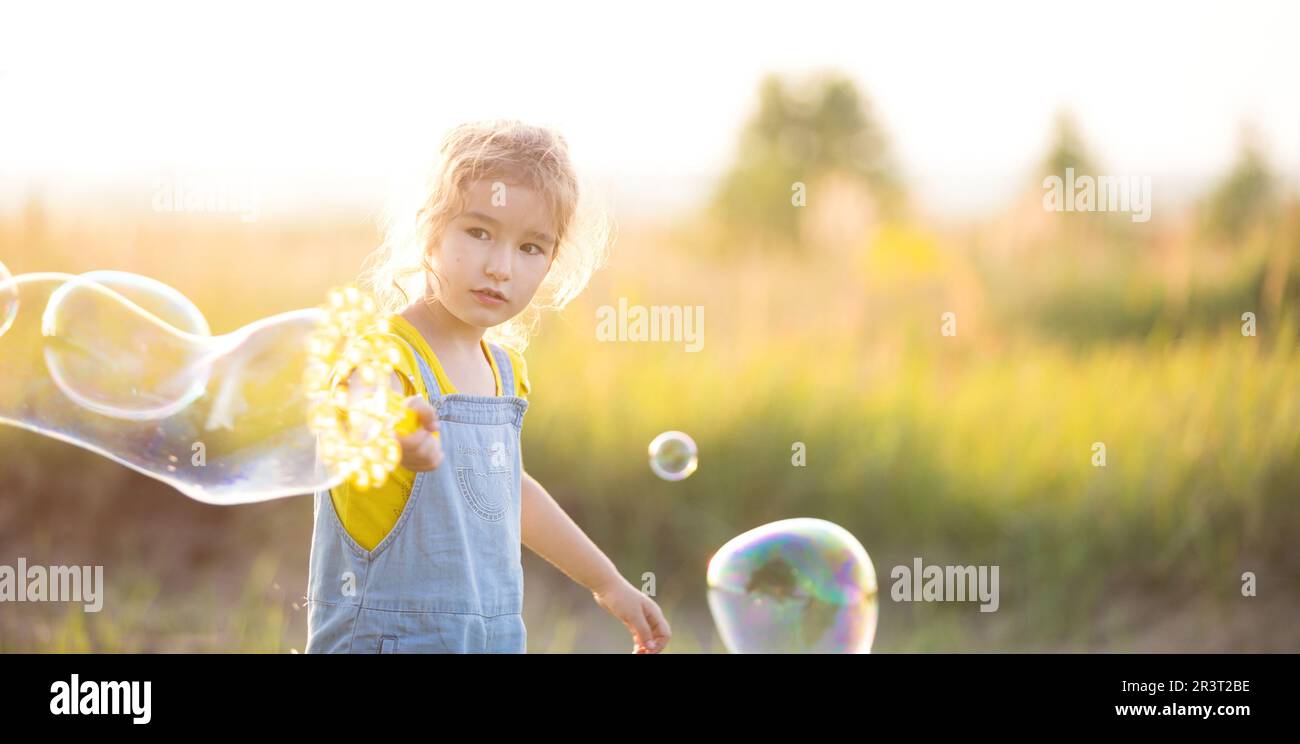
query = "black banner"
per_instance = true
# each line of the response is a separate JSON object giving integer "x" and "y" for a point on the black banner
{"x": 250, "y": 693}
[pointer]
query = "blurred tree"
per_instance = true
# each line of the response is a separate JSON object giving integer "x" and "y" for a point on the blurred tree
{"x": 803, "y": 134}
{"x": 1067, "y": 150}
{"x": 1079, "y": 236}
{"x": 1246, "y": 194}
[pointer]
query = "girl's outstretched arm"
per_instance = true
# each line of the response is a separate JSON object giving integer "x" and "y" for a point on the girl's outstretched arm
{"x": 549, "y": 532}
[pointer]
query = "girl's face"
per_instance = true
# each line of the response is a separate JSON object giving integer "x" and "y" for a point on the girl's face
{"x": 495, "y": 254}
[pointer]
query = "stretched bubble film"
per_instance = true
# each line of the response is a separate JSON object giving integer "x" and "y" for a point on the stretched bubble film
{"x": 8, "y": 298}
{"x": 145, "y": 358}
{"x": 794, "y": 586}
{"x": 126, "y": 367}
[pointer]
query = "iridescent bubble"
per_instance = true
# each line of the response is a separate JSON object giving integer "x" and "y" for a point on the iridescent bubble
{"x": 673, "y": 455}
{"x": 794, "y": 586}
{"x": 8, "y": 299}
{"x": 125, "y": 366}
{"x": 125, "y": 345}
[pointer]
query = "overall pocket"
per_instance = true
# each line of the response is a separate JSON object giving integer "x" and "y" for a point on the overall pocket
{"x": 487, "y": 493}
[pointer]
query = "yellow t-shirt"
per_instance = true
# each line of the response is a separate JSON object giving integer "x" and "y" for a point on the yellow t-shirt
{"x": 369, "y": 515}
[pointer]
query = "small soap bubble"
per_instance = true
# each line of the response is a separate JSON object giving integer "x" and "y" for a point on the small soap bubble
{"x": 673, "y": 455}
{"x": 794, "y": 586}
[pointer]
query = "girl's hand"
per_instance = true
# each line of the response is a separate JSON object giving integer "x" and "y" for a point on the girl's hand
{"x": 422, "y": 448}
{"x": 650, "y": 631}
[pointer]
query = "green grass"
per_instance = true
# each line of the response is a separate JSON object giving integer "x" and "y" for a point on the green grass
{"x": 972, "y": 450}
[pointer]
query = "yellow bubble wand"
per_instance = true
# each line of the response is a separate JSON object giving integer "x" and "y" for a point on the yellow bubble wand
{"x": 352, "y": 409}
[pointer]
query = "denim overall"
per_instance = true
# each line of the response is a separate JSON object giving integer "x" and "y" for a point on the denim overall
{"x": 448, "y": 577}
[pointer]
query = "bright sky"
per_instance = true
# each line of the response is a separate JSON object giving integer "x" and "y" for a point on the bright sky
{"x": 329, "y": 105}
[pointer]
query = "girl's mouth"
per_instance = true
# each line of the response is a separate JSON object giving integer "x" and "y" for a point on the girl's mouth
{"x": 487, "y": 298}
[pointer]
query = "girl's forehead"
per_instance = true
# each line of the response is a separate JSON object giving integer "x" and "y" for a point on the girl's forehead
{"x": 508, "y": 201}
{"x": 511, "y": 184}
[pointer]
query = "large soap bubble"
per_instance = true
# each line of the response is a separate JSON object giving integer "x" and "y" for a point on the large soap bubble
{"x": 125, "y": 366}
{"x": 127, "y": 346}
{"x": 794, "y": 586}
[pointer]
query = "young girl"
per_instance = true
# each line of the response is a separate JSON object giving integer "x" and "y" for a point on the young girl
{"x": 430, "y": 561}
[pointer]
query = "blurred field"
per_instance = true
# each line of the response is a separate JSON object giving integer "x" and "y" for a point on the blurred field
{"x": 973, "y": 449}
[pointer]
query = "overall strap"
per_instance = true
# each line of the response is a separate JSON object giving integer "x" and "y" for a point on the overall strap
{"x": 505, "y": 368}
{"x": 430, "y": 382}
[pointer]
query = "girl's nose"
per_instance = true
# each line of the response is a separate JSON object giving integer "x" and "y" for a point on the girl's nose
{"x": 498, "y": 265}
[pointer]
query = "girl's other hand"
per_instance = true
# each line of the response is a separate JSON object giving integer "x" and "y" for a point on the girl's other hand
{"x": 422, "y": 448}
{"x": 643, "y": 618}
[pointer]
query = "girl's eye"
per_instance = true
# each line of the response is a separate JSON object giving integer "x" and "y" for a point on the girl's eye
{"x": 474, "y": 232}
{"x": 536, "y": 250}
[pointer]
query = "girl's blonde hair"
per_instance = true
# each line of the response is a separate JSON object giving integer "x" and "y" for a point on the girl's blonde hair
{"x": 502, "y": 150}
